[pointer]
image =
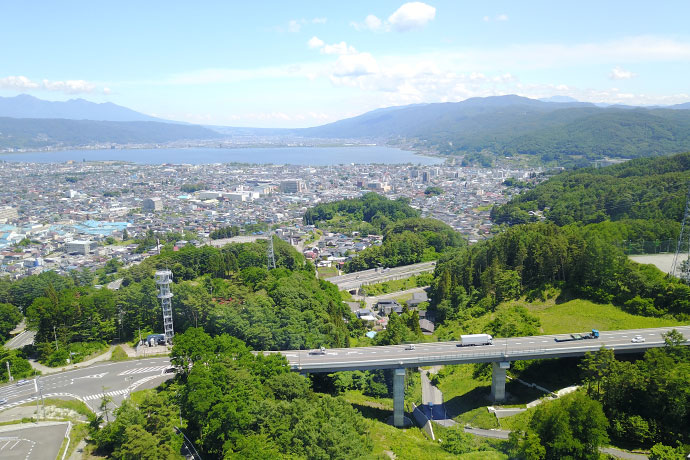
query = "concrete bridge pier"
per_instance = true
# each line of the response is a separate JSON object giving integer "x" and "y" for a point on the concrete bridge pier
{"x": 399, "y": 398}
{"x": 498, "y": 381}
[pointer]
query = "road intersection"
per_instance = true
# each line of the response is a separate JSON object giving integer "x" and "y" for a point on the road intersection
{"x": 89, "y": 384}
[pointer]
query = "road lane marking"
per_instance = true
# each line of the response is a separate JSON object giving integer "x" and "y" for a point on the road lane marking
{"x": 142, "y": 370}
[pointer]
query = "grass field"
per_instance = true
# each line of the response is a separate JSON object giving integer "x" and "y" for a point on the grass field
{"x": 327, "y": 272}
{"x": 582, "y": 315}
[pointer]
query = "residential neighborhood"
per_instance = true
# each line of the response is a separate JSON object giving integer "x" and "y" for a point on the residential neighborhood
{"x": 77, "y": 215}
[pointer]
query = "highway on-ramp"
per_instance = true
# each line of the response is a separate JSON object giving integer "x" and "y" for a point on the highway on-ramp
{"x": 440, "y": 353}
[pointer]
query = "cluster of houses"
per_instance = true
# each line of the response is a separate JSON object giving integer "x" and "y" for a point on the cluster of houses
{"x": 377, "y": 317}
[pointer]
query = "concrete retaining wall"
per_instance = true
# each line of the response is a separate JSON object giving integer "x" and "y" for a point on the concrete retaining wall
{"x": 423, "y": 421}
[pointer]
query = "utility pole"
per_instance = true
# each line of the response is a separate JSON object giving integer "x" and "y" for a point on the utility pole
{"x": 55, "y": 334}
{"x": 270, "y": 253}
{"x": 679, "y": 267}
{"x": 8, "y": 371}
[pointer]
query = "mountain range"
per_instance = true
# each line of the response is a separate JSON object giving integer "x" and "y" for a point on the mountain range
{"x": 26, "y": 106}
{"x": 558, "y": 129}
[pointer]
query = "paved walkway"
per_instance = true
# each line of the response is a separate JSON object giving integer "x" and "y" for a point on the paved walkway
{"x": 52, "y": 370}
{"x": 432, "y": 402}
{"x": 504, "y": 434}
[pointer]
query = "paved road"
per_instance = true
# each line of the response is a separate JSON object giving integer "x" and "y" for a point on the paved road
{"x": 357, "y": 279}
{"x": 22, "y": 339}
{"x": 496, "y": 434}
{"x": 512, "y": 349}
{"x": 432, "y": 402}
{"x": 88, "y": 384}
{"x": 31, "y": 441}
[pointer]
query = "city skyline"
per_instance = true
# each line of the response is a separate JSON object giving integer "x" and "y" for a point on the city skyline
{"x": 303, "y": 65}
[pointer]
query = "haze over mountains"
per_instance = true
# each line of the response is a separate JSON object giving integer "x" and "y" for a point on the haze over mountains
{"x": 26, "y": 106}
{"x": 555, "y": 130}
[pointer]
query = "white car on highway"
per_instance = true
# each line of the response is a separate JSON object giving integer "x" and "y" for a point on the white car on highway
{"x": 637, "y": 339}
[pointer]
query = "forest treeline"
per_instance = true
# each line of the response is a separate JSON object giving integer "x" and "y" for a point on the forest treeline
{"x": 647, "y": 188}
{"x": 226, "y": 290}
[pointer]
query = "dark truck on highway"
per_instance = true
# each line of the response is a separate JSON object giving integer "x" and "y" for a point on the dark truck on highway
{"x": 589, "y": 335}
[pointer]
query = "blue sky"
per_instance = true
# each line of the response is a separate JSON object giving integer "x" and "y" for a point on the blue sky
{"x": 294, "y": 64}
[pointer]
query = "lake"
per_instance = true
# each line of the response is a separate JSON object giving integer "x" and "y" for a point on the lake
{"x": 312, "y": 156}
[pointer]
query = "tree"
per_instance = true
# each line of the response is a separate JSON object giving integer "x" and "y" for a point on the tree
{"x": 9, "y": 318}
{"x": 571, "y": 427}
{"x": 103, "y": 406}
{"x": 597, "y": 367}
{"x": 662, "y": 452}
{"x": 457, "y": 442}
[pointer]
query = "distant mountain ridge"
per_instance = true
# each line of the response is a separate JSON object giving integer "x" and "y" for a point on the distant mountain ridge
{"x": 25, "y": 106}
{"x": 34, "y": 133}
{"x": 566, "y": 133}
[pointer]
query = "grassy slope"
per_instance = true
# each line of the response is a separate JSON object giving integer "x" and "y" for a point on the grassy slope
{"x": 465, "y": 394}
{"x": 582, "y": 315}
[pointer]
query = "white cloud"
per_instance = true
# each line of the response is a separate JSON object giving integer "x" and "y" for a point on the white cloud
{"x": 319, "y": 20}
{"x": 372, "y": 22}
{"x": 315, "y": 42}
{"x": 500, "y": 18}
{"x": 619, "y": 74}
{"x": 17, "y": 82}
{"x": 338, "y": 48}
{"x": 70, "y": 86}
{"x": 67, "y": 86}
{"x": 355, "y": 65}
{"x": 412, "y": 15}
{"x": 294, "y": 26}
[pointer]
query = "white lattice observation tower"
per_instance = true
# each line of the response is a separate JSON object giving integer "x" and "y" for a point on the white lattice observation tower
{"x": 164, "y": 280}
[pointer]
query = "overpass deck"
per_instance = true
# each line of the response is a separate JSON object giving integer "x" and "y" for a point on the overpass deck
{"x": 502, "y": 350}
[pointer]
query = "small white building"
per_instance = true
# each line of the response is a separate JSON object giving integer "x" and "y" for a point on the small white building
{"x": 152, "y": 205}
{"x": 80, "y": 247}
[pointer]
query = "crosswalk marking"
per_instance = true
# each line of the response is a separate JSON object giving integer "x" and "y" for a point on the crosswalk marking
{"x": 142, "y": 370}
{"x": 109, "y": 393}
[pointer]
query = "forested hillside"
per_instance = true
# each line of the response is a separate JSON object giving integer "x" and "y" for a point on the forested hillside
{"x": 31, "y": 133}
{"x": 371, "y": 213}
{"x": 226, "y": 290}
{"x": 235, "y": 406}
{"x": 406, "y": 242}
{"x": 407, "y": 238}
{"x": 527, "y": 258}
{"x": 649, "y": 188}
{"x": 569, "y": 133}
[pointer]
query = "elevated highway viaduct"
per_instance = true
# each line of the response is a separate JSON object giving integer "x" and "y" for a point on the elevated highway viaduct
{"x": 501, "y": 353}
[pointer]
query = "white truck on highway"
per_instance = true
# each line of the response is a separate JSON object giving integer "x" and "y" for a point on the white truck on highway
{"x": 475, "y": 339}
